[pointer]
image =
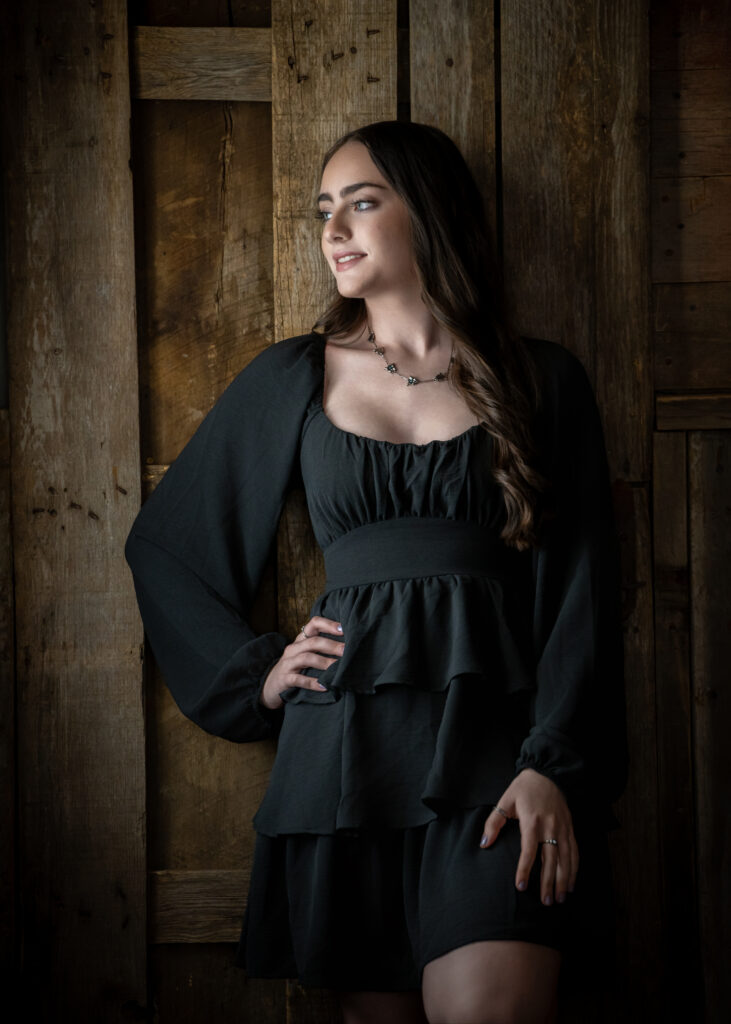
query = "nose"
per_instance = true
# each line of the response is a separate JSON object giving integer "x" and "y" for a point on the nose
{"x": 336, "y": 228}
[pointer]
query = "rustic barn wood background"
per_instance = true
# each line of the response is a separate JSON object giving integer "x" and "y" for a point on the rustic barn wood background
{"x": 601, "y": 133}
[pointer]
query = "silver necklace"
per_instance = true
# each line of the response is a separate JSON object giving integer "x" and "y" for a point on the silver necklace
{"x": 410, "y": 381}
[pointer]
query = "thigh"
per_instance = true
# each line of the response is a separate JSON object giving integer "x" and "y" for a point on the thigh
{"x": 493, "y": 982}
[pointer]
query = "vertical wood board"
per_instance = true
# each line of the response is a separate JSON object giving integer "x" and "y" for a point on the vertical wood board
{"x": 8, "y": 939}
{"x": 333, "y": 68}
{"x": 709, "y": 466}
{"x": 452, "y": 61}
{"x": 75, "y": 484}
{"x": 674, "y": 727}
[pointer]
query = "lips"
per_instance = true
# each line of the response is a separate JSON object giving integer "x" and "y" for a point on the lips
{"x": 345, "y": 260}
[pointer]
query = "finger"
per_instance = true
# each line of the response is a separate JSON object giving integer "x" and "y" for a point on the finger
{"x": 491, "y": 830}
{"x": 563, "y": 868}
{"x": 318, "y": 623}
{"x": 314, "y": 643}
{"x": 305, "y": 683}
{"x": 528, "y": 850}
{"x": 310, "y": 659}
{"x": 574, "y": 862}
{"x": 549, "y": 866}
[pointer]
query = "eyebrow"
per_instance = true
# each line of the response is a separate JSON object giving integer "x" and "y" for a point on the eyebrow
{"x": 326, "y": 197}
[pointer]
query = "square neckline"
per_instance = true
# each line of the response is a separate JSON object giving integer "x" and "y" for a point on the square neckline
{"x": 319, "y": 406}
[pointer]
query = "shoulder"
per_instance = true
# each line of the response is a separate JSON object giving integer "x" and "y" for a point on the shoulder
{"x": 563, "y": 382}
{"x": 288, "y": 371}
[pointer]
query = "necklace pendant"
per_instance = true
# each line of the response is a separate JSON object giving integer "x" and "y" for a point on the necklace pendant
{"x": 379, "y": 351}
{"x": 392, "y": 368}
{"x": 440, "y": 377}
{"x": 411, "y": 380}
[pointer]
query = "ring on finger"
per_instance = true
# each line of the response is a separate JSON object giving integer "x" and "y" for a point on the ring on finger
{"x": 302, "y": 631}
{"x": 552, "y": 842}
{"x": 499, "y": 809}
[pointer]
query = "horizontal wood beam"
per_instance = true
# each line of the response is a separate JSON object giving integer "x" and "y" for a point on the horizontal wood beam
{"x": 232, "y": 64}
{"x": 700, "y": 411}
{"x": 197, "y": 906}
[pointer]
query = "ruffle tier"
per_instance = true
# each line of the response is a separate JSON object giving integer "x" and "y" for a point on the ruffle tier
{"x": 427, "y": 708}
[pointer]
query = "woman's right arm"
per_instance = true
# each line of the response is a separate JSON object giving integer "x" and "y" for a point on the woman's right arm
{"x": 199, "y": 544}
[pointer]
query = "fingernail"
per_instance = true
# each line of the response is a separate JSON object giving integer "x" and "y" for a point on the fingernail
{"x": 320, "y": 686}
{"x": 548, "y": 901}
{"x": 561, "y": 898}
{"x": 339, "y": 628}
{"x": 522, "y": 885}
{"x": 484, "y": 841}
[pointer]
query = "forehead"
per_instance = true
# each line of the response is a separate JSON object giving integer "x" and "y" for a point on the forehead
{"x": 351, "y": 163}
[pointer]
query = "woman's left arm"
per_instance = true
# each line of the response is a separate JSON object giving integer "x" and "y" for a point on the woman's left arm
{"x": 574, "y": 759}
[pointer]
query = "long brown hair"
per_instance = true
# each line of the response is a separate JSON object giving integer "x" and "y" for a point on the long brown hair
{"x": 461, "y": 288}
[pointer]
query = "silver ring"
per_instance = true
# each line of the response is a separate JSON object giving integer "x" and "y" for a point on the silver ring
{"x": 499, "y": 809}
{"x": 553, "y": 842}
{"x": 302, "y": 631}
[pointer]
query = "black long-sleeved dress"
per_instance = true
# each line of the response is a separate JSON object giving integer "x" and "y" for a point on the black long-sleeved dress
{"x": 465, "y": 661}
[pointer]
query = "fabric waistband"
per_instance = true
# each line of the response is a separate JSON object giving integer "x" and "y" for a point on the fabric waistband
{"x": 413, "y": 547}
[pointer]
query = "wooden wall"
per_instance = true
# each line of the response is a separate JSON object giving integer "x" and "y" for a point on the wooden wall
{"x": 611, "y": 214}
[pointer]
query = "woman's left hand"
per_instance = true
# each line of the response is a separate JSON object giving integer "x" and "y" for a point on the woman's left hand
{"x": 542, "y": 813}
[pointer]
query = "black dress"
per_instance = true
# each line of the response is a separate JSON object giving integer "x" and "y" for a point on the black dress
{"x": 465, "y": 662}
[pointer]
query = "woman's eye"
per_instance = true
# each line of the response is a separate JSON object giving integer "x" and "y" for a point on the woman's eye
{"x": 357, "y": 204}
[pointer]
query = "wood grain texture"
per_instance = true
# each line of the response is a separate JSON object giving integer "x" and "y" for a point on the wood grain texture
{"x": 8, "y": 937}
{"x": 195, "y": 983}
{"x": 692, "y": 336}
{"x": 709, "y": 471}
{"x": 75, "y": 486}
{"x": 225, "y": 64}
{"x": 693, "y": 411}
{"x": 197, "y": 906}
{"x": 691, "y": 35}
{"x": 453, "y": 80}
{"x": 634, "y": 847}
{"x": 548, "y": 167}
{"x": 622, "y": 357}
{"x": 333, "y": 68}
{"x": 681, "y": 962}
{"x": 691, "y": 229}
{"x": 204, "y": 251}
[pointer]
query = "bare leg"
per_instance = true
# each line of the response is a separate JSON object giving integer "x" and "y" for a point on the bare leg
{"x": 505, "y": 982}
{"x": 382, "y": 1008}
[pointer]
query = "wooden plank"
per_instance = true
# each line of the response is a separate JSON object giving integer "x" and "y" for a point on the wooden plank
{"x": 634, "y": 847}
{"x": 623, "y": 358}
{"x": 695, "y": 147}
{"x": 8, "y": 938}
{"x": 197, "y": 906}
{"x": 709, "y": 460}
{"x": 681, "y": 964}
{"x": 75, "y": 484}
{"x": 333, "y": 68}
{"x": 195, "y": 983}
{"x": 691, "y": 229}
{"x": 687, "y": 93}
{"x": 691, "y": 35}
{"x": 204, "y": 256}
{"x": 547, "y": 100}
{"x": 224, "y": 64}
{"x": 699, "y": 411}
{"x": 692, "y": 336}
{"x": 453, "y": 80}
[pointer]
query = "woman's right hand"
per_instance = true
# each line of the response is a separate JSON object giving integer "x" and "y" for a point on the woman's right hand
{"x": 311, "y": 651}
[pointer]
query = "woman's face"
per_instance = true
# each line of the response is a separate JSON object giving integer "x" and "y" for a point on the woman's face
{"x": 366, "y": 235}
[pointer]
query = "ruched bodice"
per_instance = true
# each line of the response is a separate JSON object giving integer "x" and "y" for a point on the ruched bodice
{"x": 437, "y": 636}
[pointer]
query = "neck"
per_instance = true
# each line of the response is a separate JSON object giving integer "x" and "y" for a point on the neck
{"x": 406, "y": 326}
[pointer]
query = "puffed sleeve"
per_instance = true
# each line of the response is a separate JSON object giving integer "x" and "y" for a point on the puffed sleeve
{"x": 199, "y": 544}
{"x": 578, "y": 735}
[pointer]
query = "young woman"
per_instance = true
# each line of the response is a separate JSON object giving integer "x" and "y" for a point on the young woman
{"x": 450, "y": 717}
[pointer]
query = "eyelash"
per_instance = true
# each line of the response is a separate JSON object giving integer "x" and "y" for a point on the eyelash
{"x": 323, "y": 214}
